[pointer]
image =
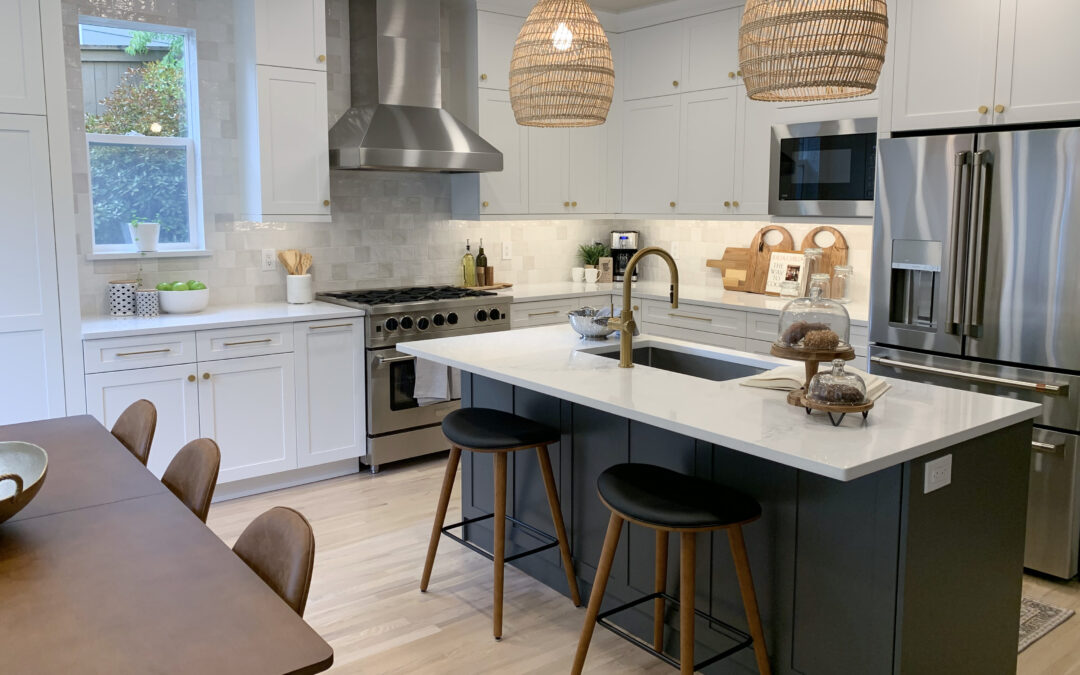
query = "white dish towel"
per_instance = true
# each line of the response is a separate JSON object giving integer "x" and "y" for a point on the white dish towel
{"x": 432, "y": 382}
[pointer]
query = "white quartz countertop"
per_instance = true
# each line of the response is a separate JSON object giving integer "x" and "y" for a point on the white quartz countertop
{"x": 910, "y": 421}
{"x": 225, "y": 316}
{"x": 709, "y": 296}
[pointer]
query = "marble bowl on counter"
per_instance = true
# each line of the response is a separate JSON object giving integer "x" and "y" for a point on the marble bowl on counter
{"x": 589, "y": 323}
{"x": 22, "y": 473}
{"x": 184, "y": 302}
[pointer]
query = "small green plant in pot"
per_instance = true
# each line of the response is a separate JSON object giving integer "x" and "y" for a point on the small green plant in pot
{"x": 590, "y": 254}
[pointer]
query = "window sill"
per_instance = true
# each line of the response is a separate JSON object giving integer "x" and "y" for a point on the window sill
{"x": 135, "y": 255}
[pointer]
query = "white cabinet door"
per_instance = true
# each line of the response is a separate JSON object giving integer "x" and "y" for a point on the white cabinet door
{"x": 654, "y": 60}
{"x": 172, "y": 390}
{"x": 293, "y": 142}
{"x": 495, "y": 40}
{"x": 331, "y": 414}
{"x": 291, "y": 33}
{"x": 505, "y": 191}
{"x": 1038, "y": 52}
{"x": 549, "y": 166}
{"x": 945, "y": 62}
{"x": 589, "y": 169}
{"x": 753, "y": 154}
{"x": 707, "y": 151}
{"x": 651, "y": 155}
{"x": 712, "y": 50}
{"x": 248, "y": 406}
{"x": 22, "y": 78}
{"x": 30, "y": 351}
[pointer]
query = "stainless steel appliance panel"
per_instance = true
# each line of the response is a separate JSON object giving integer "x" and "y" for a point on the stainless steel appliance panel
{"x": 1053, "y": 504}
{"x": 1024, "y": 281}
{"x": 389, "y": 394}
{"x": 920, "y": 232}
{"x": 839, "y": 168}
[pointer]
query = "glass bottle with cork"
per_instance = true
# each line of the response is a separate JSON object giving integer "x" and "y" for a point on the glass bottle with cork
{"x": 481, "y": 266}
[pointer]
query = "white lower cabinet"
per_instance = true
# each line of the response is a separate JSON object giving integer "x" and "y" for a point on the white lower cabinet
{"x": 173, "y": 390}
{"x": 330, "y": 392}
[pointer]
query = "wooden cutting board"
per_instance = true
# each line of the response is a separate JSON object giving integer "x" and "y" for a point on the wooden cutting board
{"x": 493, "y": 287}
{"x": 833, "y": 255}
{"x": 760, "y": 253}
{"x": 735, "y": 266}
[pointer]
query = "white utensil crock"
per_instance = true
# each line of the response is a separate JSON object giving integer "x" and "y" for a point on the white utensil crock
{"x": 298, "y": 289}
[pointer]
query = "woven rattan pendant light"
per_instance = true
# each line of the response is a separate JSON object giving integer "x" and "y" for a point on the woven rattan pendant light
{"x": 561, "y": 74}
{"x": 812, "y": 50}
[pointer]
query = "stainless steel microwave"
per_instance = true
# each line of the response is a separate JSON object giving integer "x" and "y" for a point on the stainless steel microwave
{"x": 823, "y": 168}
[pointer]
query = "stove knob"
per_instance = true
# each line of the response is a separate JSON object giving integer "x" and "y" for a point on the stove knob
{"x": 422, "y": 323}
{"x": 438, "y": 319}
{"x": 406, "y": 322}
{"x": 391, "y": 324}
{"x": 495, "y": 315}
{"x": 481, "y": 315}
{"x": 451, "y": 318}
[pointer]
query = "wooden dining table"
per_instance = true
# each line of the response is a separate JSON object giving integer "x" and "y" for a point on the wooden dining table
{"x": 105, "y": 571}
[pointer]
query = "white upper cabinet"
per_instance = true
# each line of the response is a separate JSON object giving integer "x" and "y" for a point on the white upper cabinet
{"x": 707, "y": 151}
{"x": 22, "y": 79}
{"x": 497, "y": 34}
{"x": 290, "y": 33}
{"x": 549, "y": 170}
{"x": 752, "y": 155}
{"x": 505, "y": 191}
{"x": 654, "y": 60}
{"x": 588, "y": 169}
{"x": 651, "y": 155}
{"x": 1038, "y": 52}
{"x": 712, "y": 50}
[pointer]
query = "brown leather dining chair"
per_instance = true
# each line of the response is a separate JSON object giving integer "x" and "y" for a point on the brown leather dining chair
{"x": 192, "y": 475}
{"x": 135, "y": 428}
{"x": 279, "y": 546}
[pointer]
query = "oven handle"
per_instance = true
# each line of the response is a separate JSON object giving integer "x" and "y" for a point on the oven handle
{"x": 1042, "y": 388}
{"x": 383, "y": 360}
{"x": 1048, "y": 448}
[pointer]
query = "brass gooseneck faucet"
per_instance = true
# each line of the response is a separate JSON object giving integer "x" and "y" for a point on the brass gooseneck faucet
{"x": 625, "y": 323}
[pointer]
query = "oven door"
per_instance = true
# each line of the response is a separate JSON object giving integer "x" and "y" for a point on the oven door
{"x": 391, "y": 405}
{"x": 823, "y": 168}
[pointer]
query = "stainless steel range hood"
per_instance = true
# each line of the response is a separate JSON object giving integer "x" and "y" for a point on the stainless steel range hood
{"x": 397, "y": 121}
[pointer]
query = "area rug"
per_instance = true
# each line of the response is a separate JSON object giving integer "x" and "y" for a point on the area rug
{"x": 1037, "y": 619}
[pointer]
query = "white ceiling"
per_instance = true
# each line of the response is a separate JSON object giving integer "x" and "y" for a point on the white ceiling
{"x": 622, "y": 5}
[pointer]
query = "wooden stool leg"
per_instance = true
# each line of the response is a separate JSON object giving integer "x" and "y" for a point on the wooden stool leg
{"x": 603, "y": 569}
{"x": 749, "y": 598}
{"x": 440, "y": 514}
{"x": 687, "y": 557}
{"x": 557, "y": 519}
{"x": 660, "y": 586}
{"x": 500, "y": 541}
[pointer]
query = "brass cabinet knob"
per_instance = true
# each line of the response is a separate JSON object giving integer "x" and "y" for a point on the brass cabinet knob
{"x": 326, "y": 202}
{"x": 727, "y": 203}
{"x": 566, "y": 203}
{"x": 573, "y": 203}
{"x": 739, "y": 73}
{"x": 731, "y": 74}
{"x": 671, "y": 204}
{"x": 674, "y": 83}
{"x": 321, "y": 58}
{"x": 983, "y": 110}
{"x": 999, "y": 108}
{"x": 190, "y": 378}
{"x": 483, "y": 76}
{"x": 206, "y": 376}
{"x": 484, "y": 204}
{"x": 735, "y": 204}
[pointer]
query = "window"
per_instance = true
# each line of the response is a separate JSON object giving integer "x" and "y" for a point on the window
{"x": 141, "y": 112}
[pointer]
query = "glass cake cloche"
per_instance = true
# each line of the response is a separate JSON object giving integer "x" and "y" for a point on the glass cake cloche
{"x": 837, "y": 387}
{"x": 814, "y": 323}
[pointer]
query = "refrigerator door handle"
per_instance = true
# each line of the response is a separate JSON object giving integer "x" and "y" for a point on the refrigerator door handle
{"x": 976, "y": 287}
{"x": 1042, "y": 387}
{"x": 958, "y": 213}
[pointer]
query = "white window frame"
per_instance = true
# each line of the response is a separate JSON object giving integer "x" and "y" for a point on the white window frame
{"x": 196, "y": 236}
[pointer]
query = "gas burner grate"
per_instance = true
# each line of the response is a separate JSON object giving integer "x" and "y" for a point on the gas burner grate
{"x": 393, "y": 296}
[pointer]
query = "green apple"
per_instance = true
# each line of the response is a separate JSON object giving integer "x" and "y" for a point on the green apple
{"x": 191, "y": 283}
{"x": 164, "y": 286}
{"x": 196, "y": 285}
{"x": 179, "y": 286}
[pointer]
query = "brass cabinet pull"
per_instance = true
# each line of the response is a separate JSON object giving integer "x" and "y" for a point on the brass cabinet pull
{"x": 532, "y": 314}
{"x": 727, "y": 203}
{"x": 326, "y": 202}
{"x": 321, "y": 58}
{"x": 671, "y": 204}
{"x": 483, "y": 76}
{"x": 190, "y": 378}
{"x": 566, "y": 203}
{"x": 731, "y": 74}
{"x": 248, "y": 342}
{"x": 735, "y": 204}
{"x": 148, "y": 351}
{"x": 484, "y": 204}
{"x": 739, "y": 73}
{"x": 999, "y": 108}
{"x": 674, "y": 83}
{"x": 983, "y": 110}
{"x": 206, "y": 376}
{"x": 573, "y": 203}
{"x": 688, "y": 316}
{"x": 1061, "y": 389}
{"x": 333, "y": 325}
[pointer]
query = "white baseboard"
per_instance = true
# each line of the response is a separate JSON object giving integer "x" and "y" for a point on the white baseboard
{"x": 278, "y": 481}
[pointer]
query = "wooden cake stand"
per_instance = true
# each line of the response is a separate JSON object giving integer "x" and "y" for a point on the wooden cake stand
{"x": 812, "y": 360}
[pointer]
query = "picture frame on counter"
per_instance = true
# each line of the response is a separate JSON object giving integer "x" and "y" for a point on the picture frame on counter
{"x": 786, "y": 266}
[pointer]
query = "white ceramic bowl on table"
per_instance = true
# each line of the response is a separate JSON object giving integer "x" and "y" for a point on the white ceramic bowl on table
{"x": 22, "y": 471}
{"x": 184, "y": 302}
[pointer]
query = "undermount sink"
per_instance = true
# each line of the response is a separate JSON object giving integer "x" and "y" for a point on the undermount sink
{"x": 695, "y": 365}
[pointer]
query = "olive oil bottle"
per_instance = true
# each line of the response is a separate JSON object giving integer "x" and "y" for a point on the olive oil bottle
{"x": 468, "y": 267}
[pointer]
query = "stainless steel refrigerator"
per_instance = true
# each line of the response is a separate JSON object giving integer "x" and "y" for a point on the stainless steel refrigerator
{"x": 976, "y": 285}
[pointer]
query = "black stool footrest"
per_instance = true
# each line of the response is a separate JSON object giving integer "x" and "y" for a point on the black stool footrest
{"x": 743, "y": 640}
{"x": 539, "y": 534}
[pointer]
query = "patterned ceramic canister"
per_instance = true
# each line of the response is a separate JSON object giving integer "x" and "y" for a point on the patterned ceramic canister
{"x": 146, "y": 303}
{"x": 122, "y": 298}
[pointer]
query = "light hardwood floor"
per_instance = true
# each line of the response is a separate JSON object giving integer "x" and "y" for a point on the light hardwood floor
{"x": 371, "y": 535}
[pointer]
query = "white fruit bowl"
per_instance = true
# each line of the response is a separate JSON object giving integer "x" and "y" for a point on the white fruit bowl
{"x": 184, "y": 302}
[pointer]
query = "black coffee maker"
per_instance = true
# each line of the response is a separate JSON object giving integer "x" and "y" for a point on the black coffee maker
{"x": 624, "y": 244}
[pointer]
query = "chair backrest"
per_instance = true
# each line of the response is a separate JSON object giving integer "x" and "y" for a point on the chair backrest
{"x": 135, "y": 428}
{"x": 279, "y": 546}
{"x": 193, "y": 473}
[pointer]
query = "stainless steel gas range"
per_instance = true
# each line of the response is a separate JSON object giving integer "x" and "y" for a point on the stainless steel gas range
{"x": 398, "y": 427}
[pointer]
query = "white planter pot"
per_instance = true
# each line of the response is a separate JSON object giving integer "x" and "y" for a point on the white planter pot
{"x": 145, "y": 236}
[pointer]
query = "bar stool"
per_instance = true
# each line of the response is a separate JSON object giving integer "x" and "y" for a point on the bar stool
{"x": 499, "y": 433}
{"x": 667, "y": 501}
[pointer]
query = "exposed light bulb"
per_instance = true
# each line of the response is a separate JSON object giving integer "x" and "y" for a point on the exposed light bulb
{"x": 562, "y": 38}
{"x": 155, "y": 128}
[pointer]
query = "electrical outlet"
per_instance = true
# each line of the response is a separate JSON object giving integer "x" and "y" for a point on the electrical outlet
{"x": 675, "y": 250}
{"x": 508, "y": 251}
{"x": 269, "y": 260}
{"x": 937, "y": 473}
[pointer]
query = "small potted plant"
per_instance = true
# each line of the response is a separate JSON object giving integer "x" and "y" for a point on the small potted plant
{"x": 590, "y": 254}
{"x": 144, "y": 234}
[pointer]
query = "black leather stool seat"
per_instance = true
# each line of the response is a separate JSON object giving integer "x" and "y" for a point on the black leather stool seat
{"x": 663, "y": 498}
{"x": 487, "y": 429}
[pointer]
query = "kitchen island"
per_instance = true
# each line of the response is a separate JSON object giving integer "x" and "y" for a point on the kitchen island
{"x": 857, "y": 568}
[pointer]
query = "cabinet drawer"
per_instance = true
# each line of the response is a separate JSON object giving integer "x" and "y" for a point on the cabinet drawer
{"x": 714, "y": 339}
{"x": 755, "y": 346}
{"x": 762, "y": 326}
{"x": 227, "y": 343}
{"x": 710, "y": 319}
{"x": 860, "y": 338}
{"x": 141, "y": 351}
{"x": 543, "y": 313}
